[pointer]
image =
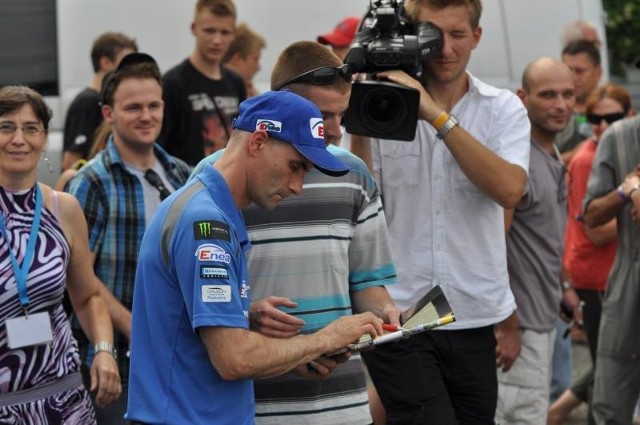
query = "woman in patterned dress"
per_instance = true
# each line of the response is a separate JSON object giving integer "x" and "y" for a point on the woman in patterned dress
{"x": 40, "y": 379}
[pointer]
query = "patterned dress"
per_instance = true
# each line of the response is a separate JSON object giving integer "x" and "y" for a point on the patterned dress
{"x": 32, "y": 366}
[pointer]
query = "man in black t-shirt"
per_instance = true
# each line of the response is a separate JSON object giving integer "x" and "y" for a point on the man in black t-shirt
{"x": 201, "y": 95}
{"x": 84, "y": 115}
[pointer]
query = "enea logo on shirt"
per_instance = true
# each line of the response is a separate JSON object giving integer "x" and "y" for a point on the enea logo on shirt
{"x": 269, "y": 125}
{"x": 212, "y": 252}
{"x": 317, "y": 127}
{"x": 211, "y": 229}
{"x": 216, "y": 293}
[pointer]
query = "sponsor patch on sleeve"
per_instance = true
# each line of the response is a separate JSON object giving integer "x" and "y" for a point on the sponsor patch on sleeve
{"x": 212, "y": 272}
{"x": 216, "y": 293}
{"x": 211, "y": 252}
{"x": 211, "y": 229}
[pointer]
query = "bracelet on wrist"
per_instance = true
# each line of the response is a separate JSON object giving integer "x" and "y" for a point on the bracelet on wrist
{"x": 625, "y": 198}
{"x": 566, "y": 285}
{"x": 106, "y": 347}
{"x": 442, "y": 118}
{"x": 445, "y": 128}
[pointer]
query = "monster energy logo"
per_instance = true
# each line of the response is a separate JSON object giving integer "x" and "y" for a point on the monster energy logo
{"x": 211, "y": 229}
{"x": 205, "y": 228}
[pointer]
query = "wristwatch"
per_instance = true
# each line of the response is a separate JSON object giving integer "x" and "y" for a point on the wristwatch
{"x": 448, "y": 125}
{"x": 566, "y": 285}
{"x": 105, "y": 346}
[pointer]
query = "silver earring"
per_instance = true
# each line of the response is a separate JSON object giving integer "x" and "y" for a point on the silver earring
{"x": 46, "y": 159}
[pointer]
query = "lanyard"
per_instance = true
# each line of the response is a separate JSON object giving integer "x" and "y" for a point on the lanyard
{"x": 21, "y": 273}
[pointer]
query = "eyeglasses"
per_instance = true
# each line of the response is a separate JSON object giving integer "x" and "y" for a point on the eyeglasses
{"x": 29, "y": 131}
{"x": 154, "y": 179}
{"x": 321, "y": 76}
{"x": 596, "y": 119}
{"x": 564, "y": 184}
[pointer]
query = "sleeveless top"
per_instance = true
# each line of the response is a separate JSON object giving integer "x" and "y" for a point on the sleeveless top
{"x": 30, "y": 366}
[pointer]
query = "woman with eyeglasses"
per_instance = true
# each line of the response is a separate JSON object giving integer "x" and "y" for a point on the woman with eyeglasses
{"x": 589, "y": 253}
{"x": 43, "y": 247}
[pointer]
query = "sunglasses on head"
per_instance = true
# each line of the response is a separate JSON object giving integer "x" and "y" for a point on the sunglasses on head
{"x": 321, "y": 76}
{"x": 596, "y": 119}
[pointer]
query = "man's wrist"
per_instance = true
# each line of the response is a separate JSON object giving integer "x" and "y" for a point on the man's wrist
{"x": 624, "y": 197}
{"x": 566, "y": 285}
{"x": 439, "y": 122}
{"x": 449, "y": 123}
{"x": 633, "y": 189}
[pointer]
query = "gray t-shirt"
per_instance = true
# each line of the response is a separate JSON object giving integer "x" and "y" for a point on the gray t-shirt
{"x": 150, "y": 193}
{"x": 535, "y": 243}
{"x": 615, "y": 158}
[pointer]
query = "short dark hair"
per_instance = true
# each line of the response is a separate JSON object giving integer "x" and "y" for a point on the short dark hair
{"x": 110, "y": 44}
{"x": 583, "y": 46}
{"x": 301, "y": 57}
{"x": 475, "y": 8}
{"x": 140, "y": 71}
{"x": 217, "y": 7}
{"x": 13, "y": 98}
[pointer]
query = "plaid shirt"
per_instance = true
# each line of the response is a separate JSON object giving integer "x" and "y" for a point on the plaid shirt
{"x": 113, "y": 203}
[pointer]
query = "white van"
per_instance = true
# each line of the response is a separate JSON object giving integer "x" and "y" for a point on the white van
{"x": 514, "y": 33}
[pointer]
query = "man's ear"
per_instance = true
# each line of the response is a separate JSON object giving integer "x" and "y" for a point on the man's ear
{"x": 257, "y": 141}
{"x": 522, "y": 95}
{"x": 107, "y": 113}
{"x": 106, "y": 64}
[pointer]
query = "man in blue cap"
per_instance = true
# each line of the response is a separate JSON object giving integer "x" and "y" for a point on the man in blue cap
{"x": 193, "y": 356}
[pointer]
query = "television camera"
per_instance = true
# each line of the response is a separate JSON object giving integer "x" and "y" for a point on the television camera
{"x": 386, "y": 39}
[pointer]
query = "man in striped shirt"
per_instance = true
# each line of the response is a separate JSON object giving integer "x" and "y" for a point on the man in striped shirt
{"x": 318, "y": 256}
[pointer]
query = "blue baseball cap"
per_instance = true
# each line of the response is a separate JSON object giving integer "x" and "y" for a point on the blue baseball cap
{"x": 293, "y": 119}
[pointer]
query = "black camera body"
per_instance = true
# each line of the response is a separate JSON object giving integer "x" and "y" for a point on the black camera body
{"x": 387, "y": 40}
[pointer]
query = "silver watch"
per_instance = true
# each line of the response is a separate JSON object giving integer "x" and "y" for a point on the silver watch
{"x": 447, "y": 126}
{"x": 105, "y": 346}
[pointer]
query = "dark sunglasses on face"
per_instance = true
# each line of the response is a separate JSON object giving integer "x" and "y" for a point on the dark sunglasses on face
{"x": 321, "y": 76}
{"x": 596, "y": 119}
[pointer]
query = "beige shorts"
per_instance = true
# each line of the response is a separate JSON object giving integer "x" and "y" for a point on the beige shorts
{"x": 523, "y": 391}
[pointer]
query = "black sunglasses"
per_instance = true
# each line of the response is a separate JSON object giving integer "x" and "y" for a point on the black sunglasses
{"x": 321, "y": 76}
{"x": 596, "y": 119}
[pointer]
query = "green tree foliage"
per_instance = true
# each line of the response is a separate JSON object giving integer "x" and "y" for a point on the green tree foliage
{"x": 623, "y": 34}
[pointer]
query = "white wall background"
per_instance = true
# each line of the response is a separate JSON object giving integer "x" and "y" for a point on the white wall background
{"x": 514, "y": 33}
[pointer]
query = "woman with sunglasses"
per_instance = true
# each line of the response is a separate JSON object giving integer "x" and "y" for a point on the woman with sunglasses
{"x": 43, "y": 248}
{"x": 589, "y": 253}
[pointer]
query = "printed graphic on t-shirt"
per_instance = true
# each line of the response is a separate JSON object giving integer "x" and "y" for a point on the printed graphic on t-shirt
{"x": 216, "y": 119}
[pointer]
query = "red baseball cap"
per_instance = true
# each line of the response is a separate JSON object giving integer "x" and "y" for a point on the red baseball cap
{"x": 342, "y": 34}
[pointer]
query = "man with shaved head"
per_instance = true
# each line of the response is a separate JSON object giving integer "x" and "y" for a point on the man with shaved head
{"x": 535, "y": 245}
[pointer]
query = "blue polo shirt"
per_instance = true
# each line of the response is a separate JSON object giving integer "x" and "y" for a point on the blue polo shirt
{"x": 191, "y": 274}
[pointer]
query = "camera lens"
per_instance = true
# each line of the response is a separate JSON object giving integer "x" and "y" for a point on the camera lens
{"x": 383, "y": 110}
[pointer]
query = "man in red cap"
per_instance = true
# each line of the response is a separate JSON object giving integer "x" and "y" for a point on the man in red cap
{"x": 341, "y": 36}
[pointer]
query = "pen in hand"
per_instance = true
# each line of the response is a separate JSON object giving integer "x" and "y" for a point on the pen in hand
{"x": 392, "y": 328}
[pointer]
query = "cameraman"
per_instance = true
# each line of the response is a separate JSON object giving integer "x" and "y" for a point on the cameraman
{"x": 444, "y": 197}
